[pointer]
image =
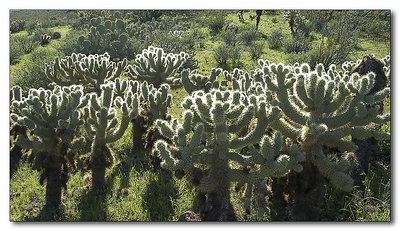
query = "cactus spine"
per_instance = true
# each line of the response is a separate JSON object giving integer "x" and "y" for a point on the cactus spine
{"x": 104, "y": 125}
{"x": 90, "y": 71}
{"x": 320, "y": 108}
{"x": 194, "y": 82}
{"x": 156, "y": 67}
{"x": 210, "y": 120}
{"x": 53, "y": 118}
{"x": 154, "y": 105}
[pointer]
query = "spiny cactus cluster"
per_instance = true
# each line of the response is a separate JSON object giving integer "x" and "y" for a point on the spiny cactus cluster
{"x": 90, "y": 71}
{"x": 207, "y": 138}
{"x": 156, "y": 67}
{"x": 53, "y": 118}
{"x": 105, "y": 125}
{"x": 192, "y": 81}
{"x": 106, "y": 34}
{"x": 237, "y": 129}
{"x": 154, "y": 104}
{"x": 321, "y": 108}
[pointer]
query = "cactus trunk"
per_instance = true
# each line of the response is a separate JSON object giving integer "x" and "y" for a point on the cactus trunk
{"x": 278, "y": 201}
{"x": 218, "y": 206}
{"x": 101, "y": 159}
{"x": 137, "y": 133}
{"x": 98, "y": 176}
{"x": 363, "y": 154}
{"x": 54, "y": 183}
{"x": 307, "y": 192}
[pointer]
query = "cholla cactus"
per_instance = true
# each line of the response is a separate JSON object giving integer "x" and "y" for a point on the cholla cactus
{"x": 45, "y": 39}
{"x": 53, "y": 118}
{"x": 154, "y": 104}
{"x": 321, "y": 108}
{"x": 249, "y": 83}
{"x": 104, "y": 125}
{"x": 386, "y": 68}
{"x": 194, "y": 82}
{"x": 203, "y": 146}
{"x": 15, "y": 131}
{"x": 105, "y": 34}
{"x": 90, "y": 71}
{"x": 157, "y": 67}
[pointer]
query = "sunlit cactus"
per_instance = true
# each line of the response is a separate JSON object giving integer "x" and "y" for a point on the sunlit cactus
{"x": 107, "y": 117}
{"x": 53, "y": 119}
{"x": 203, "y": 146}
{"x": 156, "y": 67}
{"x": 90, "y": 71}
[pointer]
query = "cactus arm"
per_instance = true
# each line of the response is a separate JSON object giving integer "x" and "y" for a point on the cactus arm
{"x": 243, "y": 119}
{"x": 334, "y": 172}
{"x": 118, "y": 133}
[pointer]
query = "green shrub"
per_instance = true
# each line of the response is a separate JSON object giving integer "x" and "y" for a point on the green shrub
{"x": 221, "y": 55}
{"x": 248, "y": 34}
{"x": 19, "y": 45}
{"x": 17, "y": 26}
{"x": 224, "y": 52}
{"x": 15, "y": 52}
{"x": 256, "y": 50}
{"x": 68, "y": 45}
{"x": 31, "y": 73}
{"x": 296, "y": 44}
{"x": 229, "y": 37}
{"x": 275, "y": 41}
{"x": 216, "y": 21}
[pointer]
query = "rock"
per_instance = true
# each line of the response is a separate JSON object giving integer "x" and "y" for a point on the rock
{"x": 189, "y": 216}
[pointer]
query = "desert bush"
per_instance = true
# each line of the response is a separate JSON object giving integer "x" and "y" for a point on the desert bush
{"x": 221, "y": 55}
{"x": 229, "y": 37}
{"x": 248, "y": 34}
{"x": 15, "y": 52}
{"x": 216, "y": 21}
{"x": 20, "y": 45}
{"x": 296, "y": 44}
{"x": 68, "y": 45}
{"x": 224, "y": 52}
{"x": 256, "y": 50}
{"x": 32, "y": 73}
{"x": 17, "y": 26}
{"x": 275, "y": 19}
{"x": 275, "y": 40}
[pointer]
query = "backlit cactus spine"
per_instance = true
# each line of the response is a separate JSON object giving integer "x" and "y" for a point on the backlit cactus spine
{"x": 90, "y": 71}
{"x": 324, "y": 108}
{"x": 211, "y": 120}
{"x": 156, "y": 67}
{"x": 154, "y": 104}
{"x": 53, "y": 118}
{"x": 15, "y": 131}
{"x": 193, "y": 82}
{"x": 320, "y": 109}
{"x": 105, "y": 125}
